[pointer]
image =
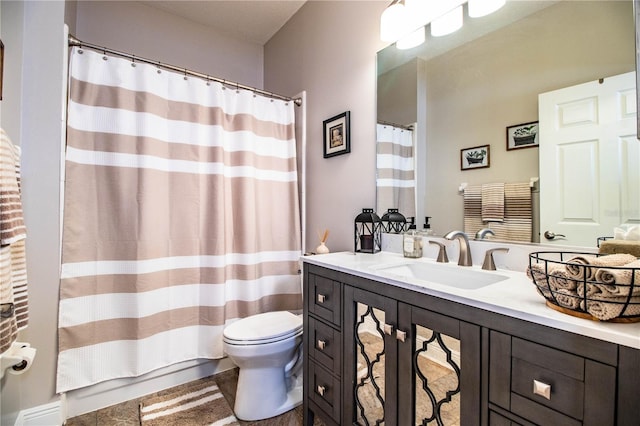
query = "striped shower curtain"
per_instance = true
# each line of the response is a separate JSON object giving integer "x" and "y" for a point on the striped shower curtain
{"x": 180, "y": 216}
{"x": 395, "y": 174}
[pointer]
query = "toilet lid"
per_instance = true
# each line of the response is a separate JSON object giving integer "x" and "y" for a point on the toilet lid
{"x": 267, "y": 326}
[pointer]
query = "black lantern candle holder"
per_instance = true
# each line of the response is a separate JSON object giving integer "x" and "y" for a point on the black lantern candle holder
{"x": 367, "y": 232}
{"x": 393, "y": 222}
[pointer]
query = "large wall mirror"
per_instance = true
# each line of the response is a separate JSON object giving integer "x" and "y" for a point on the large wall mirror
{"x": 466, "y": 89}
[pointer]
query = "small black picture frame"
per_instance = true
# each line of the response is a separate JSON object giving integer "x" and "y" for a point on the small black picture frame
{"x": 475, "y": 158}
{"x": 523, "y": 135}
{"x": 337, "y": 138}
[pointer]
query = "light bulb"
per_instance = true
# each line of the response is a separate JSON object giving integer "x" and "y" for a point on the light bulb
{"x": 447, "y": 23}
{"x": 392, "y": 23}
{"x": 479, "y": 8}
{"x": 411, "y": 40}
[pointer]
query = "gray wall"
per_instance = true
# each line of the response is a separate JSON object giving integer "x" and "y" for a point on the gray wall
{"x": 329, "y": 49}
{"x": 155, "y": 34}
{"x": 32, "y": 115}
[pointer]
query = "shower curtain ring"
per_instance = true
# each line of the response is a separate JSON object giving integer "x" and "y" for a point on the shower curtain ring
{"x": 159, "y": 65}
{"x": 133, "y": 61}
{"x": 224, "y": 82}
{"x": 237, "y": 87}
{"x": 104, "y": 55}
{"x": 185, "y": 73}
{"x": 208, "y": 81}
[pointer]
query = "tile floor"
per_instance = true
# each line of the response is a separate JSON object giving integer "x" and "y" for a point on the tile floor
{"x": 126, "y": 414}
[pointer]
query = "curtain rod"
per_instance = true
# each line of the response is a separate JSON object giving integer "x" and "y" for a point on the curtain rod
{"x": 75, "y": 42}
{"x": 400, "y": 126}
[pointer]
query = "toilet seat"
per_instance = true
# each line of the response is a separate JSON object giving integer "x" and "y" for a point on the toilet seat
{"x": 263, "y": 328}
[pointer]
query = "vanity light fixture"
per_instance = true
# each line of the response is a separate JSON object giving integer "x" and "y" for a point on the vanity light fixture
{"x": 392, "y": 22}
{"x": 448, "y": 23}
{"x": 411, "y": 40}
{"x": 403, "y": 21}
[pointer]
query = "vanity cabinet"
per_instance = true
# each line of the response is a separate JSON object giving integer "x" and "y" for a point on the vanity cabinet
{"x": 367, "y": 343}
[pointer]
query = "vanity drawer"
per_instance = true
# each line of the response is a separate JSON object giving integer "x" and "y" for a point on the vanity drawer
{"x": 563, "y": 393}
{"x": 324, "y": 298}
{"x": 549, "y": 386}
{"x": 324, "y": 390}
{"x": 325, "y": 345}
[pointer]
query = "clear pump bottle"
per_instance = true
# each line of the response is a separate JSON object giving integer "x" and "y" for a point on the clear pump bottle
{"x": 412, "y": 243}
{"x": 427, "y": 231}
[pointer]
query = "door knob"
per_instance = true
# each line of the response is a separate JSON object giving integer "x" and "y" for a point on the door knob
{"x": 551, "y": 235}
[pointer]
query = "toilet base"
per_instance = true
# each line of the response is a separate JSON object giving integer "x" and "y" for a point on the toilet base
{"x": 258, "y": 403}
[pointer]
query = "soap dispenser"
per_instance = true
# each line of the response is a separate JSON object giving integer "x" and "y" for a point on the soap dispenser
{"x": 412, "y": 243}
{"x": 427, "y": 227}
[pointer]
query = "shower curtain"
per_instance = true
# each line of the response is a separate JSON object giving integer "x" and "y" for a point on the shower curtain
{"x": 395, "y": 174}
{"x": 180, "y": 215}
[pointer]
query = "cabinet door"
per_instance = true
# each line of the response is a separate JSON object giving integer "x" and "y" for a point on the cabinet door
{"x": 370, "y": 351}
{"x": 438, "y": 369}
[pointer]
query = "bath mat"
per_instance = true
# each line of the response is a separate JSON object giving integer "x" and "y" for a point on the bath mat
{"x": 193, "y": 404}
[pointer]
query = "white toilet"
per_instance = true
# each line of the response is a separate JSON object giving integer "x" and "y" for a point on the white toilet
{"x": 268, "y": 350}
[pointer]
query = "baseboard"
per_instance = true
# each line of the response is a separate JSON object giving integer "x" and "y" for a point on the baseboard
{"x": 42, "y": 415}
{"x": 113, "y": 392}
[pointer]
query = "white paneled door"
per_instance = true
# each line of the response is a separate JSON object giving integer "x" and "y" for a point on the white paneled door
{"x": 589, "y": 160}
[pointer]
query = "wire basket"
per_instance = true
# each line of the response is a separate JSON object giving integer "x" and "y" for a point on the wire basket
{"x": 588, "y": 286}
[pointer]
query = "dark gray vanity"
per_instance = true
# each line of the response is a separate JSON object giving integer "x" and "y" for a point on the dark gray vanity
{"x": 503, "y": 366}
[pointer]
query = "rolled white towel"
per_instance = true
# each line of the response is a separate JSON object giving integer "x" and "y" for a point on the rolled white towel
{"x": 537, "y": 272}
{"x": 567, "y": 298}
{"x": 585, "y": 266}
{"x": 617, "y": 282}
{"x": 609, "y": 308}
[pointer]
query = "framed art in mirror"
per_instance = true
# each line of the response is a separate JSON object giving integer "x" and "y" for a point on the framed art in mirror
{"x": 474, "y": 158}
{"x": 523, "y": 135}
{"x": 337, "y": 138}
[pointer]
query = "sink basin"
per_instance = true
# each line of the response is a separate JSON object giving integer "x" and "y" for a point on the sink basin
{"x": 453, "y": 276}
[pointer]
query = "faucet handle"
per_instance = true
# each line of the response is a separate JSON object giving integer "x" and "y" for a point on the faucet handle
{"x": 442, "y": 252}
{"x": 489, "y": 264}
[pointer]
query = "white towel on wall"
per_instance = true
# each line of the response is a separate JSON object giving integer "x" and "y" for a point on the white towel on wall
{"x": 13, "y": 269}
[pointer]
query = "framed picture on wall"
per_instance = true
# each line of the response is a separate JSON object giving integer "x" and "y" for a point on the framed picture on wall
{"x": 522, "y": 136}
{"x": 337, "y": 135}
{"x": 474, "y": 158}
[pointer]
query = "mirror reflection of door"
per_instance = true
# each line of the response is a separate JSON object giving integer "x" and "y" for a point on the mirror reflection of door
{"x": 589, "y": 160}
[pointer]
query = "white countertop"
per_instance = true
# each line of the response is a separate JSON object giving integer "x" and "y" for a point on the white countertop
{"x": 516, "y": 296}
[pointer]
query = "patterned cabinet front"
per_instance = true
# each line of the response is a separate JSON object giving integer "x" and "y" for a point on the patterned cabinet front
{"x": 438, "y": 369}
{"x": 370, "y": 355}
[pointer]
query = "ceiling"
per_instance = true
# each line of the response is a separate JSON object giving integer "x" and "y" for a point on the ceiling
{"x": 254, "y": 21}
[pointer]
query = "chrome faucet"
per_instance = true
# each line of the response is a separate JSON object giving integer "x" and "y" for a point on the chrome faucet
{"x": 481, "y": 234}
{"x": 465, "y": 251}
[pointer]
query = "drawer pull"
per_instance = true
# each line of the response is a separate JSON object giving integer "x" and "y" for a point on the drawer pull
{"x": 321, "y": 298}
{"x": 542, "y": 389}
{"x": 321, "y": 390}
{"x": 320, "y": 344}
{"x": 388, "y": 329}
{"x": 401, "y": 335}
